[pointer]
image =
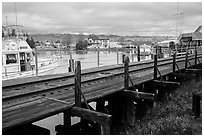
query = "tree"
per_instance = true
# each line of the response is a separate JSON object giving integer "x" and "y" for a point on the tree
{"x": 67, "y": 40}
{"x": 80, "y": 37}
{"x": 121, "y": 40}
{"x": 82, "y": 45}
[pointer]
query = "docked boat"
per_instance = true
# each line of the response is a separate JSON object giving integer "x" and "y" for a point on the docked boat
{"x": 18, "y": 57}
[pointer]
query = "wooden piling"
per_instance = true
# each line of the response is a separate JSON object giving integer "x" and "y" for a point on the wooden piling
{"x": 129, "y": 115}
{"x": 130, "y": 111}
{"x": 77, "y": 79}
{"x": 155, "y": 66}
{"x": 100, "y": 105}
{"x": 116, "y": 109}
{"x": 67, "y": 120}
{"x": 196, "y": 104}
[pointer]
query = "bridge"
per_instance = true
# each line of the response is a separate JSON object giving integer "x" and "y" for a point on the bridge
{"x": 28, "y": 100}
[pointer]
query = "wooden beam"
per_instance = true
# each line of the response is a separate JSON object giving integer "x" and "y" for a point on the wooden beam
{"x": 194, "y": 70}
{"x": 98, "y": 117}
{"x": 183, "y": 75}
{"x": 166, "y": 83}
{"x": 140, "y": 95}
{"x": 87, "y": 114}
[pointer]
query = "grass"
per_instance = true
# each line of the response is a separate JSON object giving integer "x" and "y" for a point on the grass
{"x": 172, "y": 116}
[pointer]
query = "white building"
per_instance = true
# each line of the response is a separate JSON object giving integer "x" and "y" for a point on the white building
{"x": 95, "y": 42}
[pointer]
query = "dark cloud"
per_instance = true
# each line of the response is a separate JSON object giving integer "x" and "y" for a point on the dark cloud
{"x": 121, "y": 18}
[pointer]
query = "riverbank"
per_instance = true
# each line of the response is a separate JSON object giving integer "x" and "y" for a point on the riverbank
{"x": 172, "y": 116}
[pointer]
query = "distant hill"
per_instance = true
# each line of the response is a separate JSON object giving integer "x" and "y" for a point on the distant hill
{"x": 74, "y": 38}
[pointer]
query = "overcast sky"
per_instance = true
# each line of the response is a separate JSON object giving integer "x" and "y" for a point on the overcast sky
{"x": 135, "y": 18}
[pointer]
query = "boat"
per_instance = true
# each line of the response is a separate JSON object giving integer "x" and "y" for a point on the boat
{"x": 18, "y": 58}
{"x": 17, "y": 55}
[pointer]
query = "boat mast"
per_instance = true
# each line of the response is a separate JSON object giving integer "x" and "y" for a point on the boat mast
{"x": 16, "y": 15}
{"x": 177, "y": 18}
{"x": 6, "y": 21}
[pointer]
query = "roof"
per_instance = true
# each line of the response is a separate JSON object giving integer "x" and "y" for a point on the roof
{"x": 199, "y": 29}
{"x": 196, "y": 35}
{"x": 12, "y": 45}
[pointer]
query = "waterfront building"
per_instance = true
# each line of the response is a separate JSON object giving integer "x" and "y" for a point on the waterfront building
{"x": 190, "y": 39}
{"x": 96, "y": 42}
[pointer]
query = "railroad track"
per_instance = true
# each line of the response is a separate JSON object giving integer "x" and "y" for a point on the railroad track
{"x": 62, "y": 85}
{"x": 34, "y": 99}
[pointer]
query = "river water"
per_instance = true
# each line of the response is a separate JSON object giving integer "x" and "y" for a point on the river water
{"x": 88, "y": 59}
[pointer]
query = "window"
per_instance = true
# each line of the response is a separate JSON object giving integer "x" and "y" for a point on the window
{"x": 28, "y": 57}
{"x": 11, "y": 58}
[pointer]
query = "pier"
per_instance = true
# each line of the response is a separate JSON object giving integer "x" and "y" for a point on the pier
{"x": 122, "y": 86}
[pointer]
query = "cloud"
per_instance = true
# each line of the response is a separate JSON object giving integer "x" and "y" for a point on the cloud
{"x": 123, "y": 18}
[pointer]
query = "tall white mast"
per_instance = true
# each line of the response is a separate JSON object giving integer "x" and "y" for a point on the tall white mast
{"x": 16, "y": 15}
{"x": 177, "y": 18}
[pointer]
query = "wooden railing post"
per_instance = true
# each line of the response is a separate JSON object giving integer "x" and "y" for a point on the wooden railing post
{"x": 98, "y": 57}
{"x": 186, "y": 61}
{"x": 126, "y": 73}
{"x": 36, "y": 62}
{"x": 155, "y": 66}
{"x": 174, "y": 62}
{"x": 69, "y": 67}
{"x": 128, "y": 114}
{"x": 138, "y": 53}
{"x": 132, "y": 56}
{"x": 123, "y": 58}
{"x": 196, "y": 56}
{"x": 77, "y": 79}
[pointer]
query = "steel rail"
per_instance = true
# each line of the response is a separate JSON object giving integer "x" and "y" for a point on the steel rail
{"x": 86, "y": 72}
